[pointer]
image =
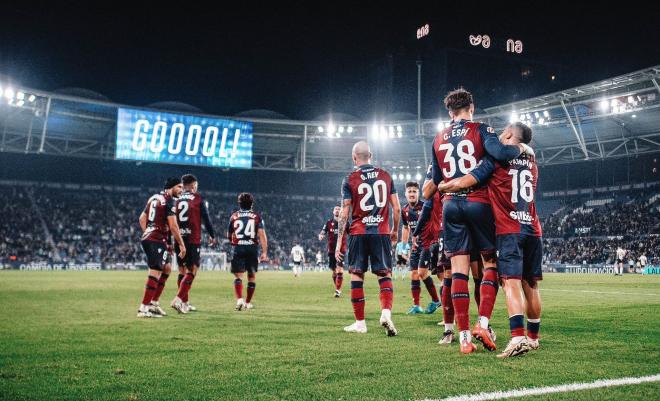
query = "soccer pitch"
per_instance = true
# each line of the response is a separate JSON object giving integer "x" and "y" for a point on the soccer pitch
{"x": 74, "y": 335}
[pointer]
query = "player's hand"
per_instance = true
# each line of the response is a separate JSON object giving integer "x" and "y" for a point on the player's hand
{"x": 182, "y": 251}
{"x": 394, "y": 237}
{"x": 212, "y": 242}
{"x": 263, "y": 258}
{"x": 338, "y": 255}
{"x": 321, "y": 237}
{"x": 414, "y": 244}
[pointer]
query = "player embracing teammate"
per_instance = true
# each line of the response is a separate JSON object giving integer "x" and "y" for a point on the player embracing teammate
{"x": 158, "y": 220}
{"x": 511, "y": 188}
{"x": 192, "y": 211}
{"x": 468, "y": 220}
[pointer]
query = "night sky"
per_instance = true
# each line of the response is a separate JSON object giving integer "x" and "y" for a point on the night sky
{"x": 304, "y": 62}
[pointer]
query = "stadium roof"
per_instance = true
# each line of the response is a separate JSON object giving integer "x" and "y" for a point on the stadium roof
{"x": 617, "y": 117}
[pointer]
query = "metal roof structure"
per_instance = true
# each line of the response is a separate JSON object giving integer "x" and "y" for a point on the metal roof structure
{"x": 617, "y": 117}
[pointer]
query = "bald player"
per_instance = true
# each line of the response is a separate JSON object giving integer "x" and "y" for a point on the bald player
{"x": 368, "y": 195}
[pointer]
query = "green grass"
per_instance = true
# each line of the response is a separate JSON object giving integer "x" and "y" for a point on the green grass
{"x": 74, "y": 335}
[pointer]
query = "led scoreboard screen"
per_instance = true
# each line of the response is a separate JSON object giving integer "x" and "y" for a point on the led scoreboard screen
{"x": 183, "y": 139}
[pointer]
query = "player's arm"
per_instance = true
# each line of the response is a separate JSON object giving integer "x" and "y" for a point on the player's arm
{"x": 324, "y": 230}
{"x": 263, "y": 240}
{"x": 230, "y": 229}
{"x": 429, "y": 188}
{"x": 479, "y": 175}
{"x": 143, "y": 221}
{"x": 343, "y": 221}
{"x": 174, "y": 227}
{"x": 436, "y": 172}
{"x": 423, "y": 219}
{"x": 405, "y": 233}
{"x": 396, "y": 216}
{"x": 207, "y": 222}
{"x": 495, "y": 148}
{"x": 343, "y": 217}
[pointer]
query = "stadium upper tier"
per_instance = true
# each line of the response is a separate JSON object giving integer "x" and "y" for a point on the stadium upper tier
{"x": 614, "y": 118}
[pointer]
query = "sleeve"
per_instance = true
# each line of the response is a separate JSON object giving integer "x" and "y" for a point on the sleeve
{"x": 392, "y": 187}
{"x": 429, "y": 171}
{"x": 424, "y": 217}
{"x": 324, "y": 229}
{"x": 346, "y": 189}
{"x": 170, "y": 205}
{"x": 436, "y": 173}
{"x": 494, "y": 147}
{"x": 404, "y": 221}
{"x": 261, "y": 224}
{"x": 230, "y": 228}
{"x": 484, "y": 169}
{"x": 206, "y": 219}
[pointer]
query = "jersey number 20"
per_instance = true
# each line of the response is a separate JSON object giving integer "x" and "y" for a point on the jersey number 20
{"x": 378, "y": 191}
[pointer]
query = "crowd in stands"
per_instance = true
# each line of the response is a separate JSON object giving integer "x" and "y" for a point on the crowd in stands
{"x": 101, "y": 226}
{"x": 46, "y": 223}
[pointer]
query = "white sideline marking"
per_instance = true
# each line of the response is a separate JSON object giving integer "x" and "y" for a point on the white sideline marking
{"x": 524, "y": 392}
{"x": 602, "y": 292}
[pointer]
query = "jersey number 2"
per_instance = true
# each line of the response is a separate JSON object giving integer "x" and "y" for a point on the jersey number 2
{"x": 183, "y": 207}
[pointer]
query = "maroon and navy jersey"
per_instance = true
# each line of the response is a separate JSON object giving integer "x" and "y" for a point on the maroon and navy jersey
{"x": 512, "y": 189}
{"x": 158, "y": 208}
{"x": 431, "y": 231}
{"x": 192, "y": 210}
{"x": 410, "y": 215}
{"x": 459, "y": 149}
{"x": 243, "y": 227}
{"x": 369, "y": 189}
{"x": 331, "y": 230}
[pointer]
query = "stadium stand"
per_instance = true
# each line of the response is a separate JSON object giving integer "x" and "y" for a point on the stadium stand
{"x": 61, "y": 223}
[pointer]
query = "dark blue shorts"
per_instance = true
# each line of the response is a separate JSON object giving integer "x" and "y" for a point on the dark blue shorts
{"x": 520, "y": 257}
{"x": 245, "y": 259}
{"x": 439, "y": 260}
{"x": 426, "y": 257}
{"x": 369, "y": 250}
{"x": 468, "y": 225}
{"x": 156, "y": 254}
{"x": 413, "y": 262}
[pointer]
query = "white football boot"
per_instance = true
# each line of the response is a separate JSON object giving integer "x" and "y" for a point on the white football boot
{"x": 360, "y": 326}
{"x": 515, "y": 348}
{"x": 386, "y": 322}
{"x": 154, "y": 307}
{"x": 143, "y": 311}
{"x": 178, "y": 305}
{"x": 240, "y": 305}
